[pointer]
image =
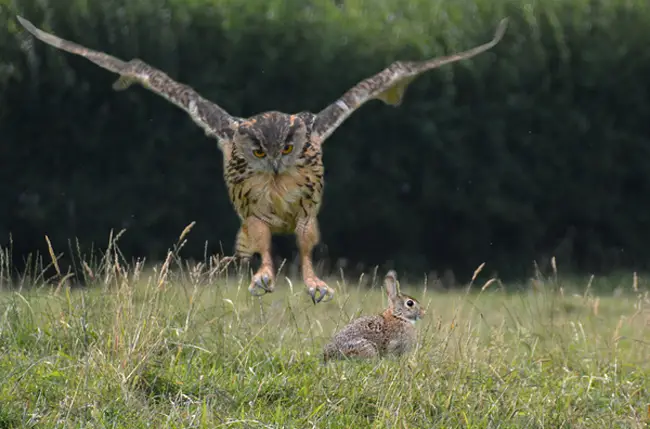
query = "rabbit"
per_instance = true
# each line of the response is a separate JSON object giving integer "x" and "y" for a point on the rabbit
{"x": 389, "y": 333}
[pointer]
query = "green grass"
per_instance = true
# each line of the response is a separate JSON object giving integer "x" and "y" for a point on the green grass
{"x": 184, "y": 345}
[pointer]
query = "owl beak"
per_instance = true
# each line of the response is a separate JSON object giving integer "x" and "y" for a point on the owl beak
{"x": 276, "y": 166}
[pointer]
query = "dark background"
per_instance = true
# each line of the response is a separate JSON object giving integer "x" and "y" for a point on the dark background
{"x": 539, "y": 147}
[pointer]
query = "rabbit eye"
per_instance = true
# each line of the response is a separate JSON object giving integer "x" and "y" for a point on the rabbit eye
{"x": 409, "y": 303}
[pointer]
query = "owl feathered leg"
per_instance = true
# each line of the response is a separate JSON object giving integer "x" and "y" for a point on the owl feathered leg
{"x": 243, "y": 254}
{"x": 255, "y": 237}
{"x": 308, "y": 235}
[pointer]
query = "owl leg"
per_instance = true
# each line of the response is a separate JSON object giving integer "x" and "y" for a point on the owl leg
{"x": 255, "y": 237}
{"x": 243, "y": 248}
{"x": 242, "y": 254}
{"x": 308, "y": 235}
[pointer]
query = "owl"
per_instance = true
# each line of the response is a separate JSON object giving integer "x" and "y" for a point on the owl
{"x": 272, "y": 161}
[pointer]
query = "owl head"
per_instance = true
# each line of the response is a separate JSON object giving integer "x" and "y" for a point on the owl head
{"x": 271, "y": 142}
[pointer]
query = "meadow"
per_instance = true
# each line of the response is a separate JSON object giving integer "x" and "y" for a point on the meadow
{"x": 182, "y": 344}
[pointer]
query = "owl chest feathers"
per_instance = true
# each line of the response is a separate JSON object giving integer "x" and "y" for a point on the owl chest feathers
{"x": 279, "y": 200}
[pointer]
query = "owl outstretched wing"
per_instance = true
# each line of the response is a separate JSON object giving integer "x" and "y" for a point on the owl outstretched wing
{"x": 389, "y": 85}
{"x": 212, "y": 118}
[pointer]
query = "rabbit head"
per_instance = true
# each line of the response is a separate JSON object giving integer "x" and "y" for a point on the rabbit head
{"x": 401, "y": 306}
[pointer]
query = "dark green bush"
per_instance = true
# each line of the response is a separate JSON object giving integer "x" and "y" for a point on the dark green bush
{"x": 535, "y": 148}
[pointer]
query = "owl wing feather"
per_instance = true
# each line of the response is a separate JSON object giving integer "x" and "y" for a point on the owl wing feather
{"x": 212, "y": 118}
{"x": 389, "y": 85}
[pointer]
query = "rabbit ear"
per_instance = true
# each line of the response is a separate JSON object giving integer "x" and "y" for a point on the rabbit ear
{"x": 390, "y": 283}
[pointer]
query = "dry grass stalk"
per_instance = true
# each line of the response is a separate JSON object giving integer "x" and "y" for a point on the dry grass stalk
{"x": 55, "y": 261}
{"x": 488, "y": 283}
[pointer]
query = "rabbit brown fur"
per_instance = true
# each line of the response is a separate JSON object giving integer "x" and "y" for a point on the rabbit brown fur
{"x": 391, "y": 332}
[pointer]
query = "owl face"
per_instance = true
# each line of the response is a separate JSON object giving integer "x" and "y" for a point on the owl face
{"x": 271, "y": 142}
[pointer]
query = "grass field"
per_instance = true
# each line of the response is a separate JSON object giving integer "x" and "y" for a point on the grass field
{"x": 182, "y": 345}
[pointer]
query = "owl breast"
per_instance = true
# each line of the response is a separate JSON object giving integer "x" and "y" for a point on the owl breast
{"x": 279, "y": 200}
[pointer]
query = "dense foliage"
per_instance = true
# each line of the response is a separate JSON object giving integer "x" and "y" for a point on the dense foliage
{"x": 536, "y": 148}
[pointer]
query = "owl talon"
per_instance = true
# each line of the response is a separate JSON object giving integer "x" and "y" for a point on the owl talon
{"x": 320, "y": 293}
{"x": 261, "y": 284}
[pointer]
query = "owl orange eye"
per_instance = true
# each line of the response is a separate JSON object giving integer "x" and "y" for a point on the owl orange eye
{"x": 259, "y": 153}
{"x": 287, "y": 149}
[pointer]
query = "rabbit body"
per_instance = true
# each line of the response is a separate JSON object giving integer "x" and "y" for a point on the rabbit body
{"x": 390, "y": 333}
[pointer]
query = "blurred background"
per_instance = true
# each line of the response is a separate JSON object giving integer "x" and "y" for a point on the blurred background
{"x": 537, "y": 148}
